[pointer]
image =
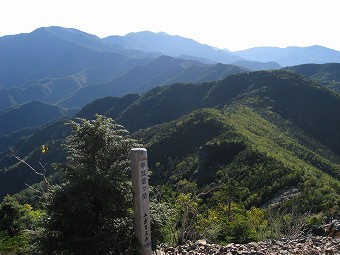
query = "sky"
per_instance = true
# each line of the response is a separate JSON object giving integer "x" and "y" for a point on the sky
{"x": 226, "y": 24}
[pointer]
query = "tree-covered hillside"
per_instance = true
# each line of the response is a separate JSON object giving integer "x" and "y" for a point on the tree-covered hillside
{"x": 218, "y": 152}
{"x": 299, "y": 100}
{"x": 274, "y": 128}
{"x": 252, "y": 144}
{"x": 28, "y": 115}
{"x": 15, "y": 176}
{"x": 327, "y": 75}
{"x": 163, "y": 70}
{"x": 46, "y": 90}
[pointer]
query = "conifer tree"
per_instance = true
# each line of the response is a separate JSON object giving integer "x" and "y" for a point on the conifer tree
{"x": 91, "y": 211}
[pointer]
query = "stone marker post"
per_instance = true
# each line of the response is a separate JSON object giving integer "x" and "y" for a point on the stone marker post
{"x": 140, "y": 190}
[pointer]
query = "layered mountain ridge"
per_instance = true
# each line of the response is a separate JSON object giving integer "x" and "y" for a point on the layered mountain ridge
{"x": 198, "y": 110}
{"x": 263, "y": 128}
{"x": 56, "y": 64}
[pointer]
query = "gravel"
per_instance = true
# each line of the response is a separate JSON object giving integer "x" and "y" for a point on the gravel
{"x": 311, "y": 245}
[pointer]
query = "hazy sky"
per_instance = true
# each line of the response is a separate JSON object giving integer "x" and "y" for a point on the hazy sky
{"x": 231, "y": 24}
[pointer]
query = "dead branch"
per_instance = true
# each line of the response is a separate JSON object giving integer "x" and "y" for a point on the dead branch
{"x": 43, "y": 174}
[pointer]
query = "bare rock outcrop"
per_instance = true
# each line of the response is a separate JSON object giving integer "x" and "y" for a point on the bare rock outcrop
{"x": 312, "y": 245}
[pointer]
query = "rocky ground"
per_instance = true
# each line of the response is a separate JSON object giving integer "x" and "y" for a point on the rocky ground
{"x": 311, "y": 245}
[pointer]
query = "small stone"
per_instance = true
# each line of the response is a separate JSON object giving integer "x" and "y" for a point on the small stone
{"x": 160, "y": 252}
{"x": 223, "y": 249}
{"x": 244, "y": 253}
{"x": 170, "y": 249}
{"x": 201, "y": 242}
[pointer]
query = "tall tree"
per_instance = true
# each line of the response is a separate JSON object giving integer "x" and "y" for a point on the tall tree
{"x": 91, "y": 212}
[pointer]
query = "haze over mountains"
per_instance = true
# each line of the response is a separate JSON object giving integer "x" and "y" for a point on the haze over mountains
{"x": 177, "y": 46}
{"x": 292, "y": 55}
{"x": 70, "y": 67}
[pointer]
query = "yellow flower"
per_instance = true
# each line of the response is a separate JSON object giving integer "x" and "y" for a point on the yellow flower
{"x": 43, "y": 149}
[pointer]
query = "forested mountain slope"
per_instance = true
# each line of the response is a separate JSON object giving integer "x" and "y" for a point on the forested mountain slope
{"x": 263, "y": 156}
{"x": 15, "y": 176}
{"x": 264, "y": 129}
{"x": 46, "y": 90}
{"x": 161, "y": 71}
{"x": 311, "y": 108}
{"x": 31, "y": 114}
{"x": 327, "y": 75}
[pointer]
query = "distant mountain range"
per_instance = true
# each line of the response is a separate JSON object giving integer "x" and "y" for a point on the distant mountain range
{"x": 57, "y": 52}
{"x": 161, "y": 71}
{"x": 292, "y": 55}
{"x": 66, "y": 69}
{"x": 174, "y": 46}
{"x": 177, "y": 46}
{"x": 69, "y": 67}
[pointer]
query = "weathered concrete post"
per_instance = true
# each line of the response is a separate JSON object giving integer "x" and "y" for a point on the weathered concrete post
{"x": 140, "y": 189}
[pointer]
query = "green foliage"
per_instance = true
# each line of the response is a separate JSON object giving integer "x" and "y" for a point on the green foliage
{"x": 210, "y": 224}
{"x": 239, "y": 230}
{"x": 163, "y": 223}
{"x": 262, "y": 152}
{"x": 173, "y": 155}
{"x": 199, "y": 213}
{"x": 163, "y": 104}
{"x": 257, "y": 221}
{"x": 257, "y": 154}
{"x": 99, "y": 106}
{"x": 270, "y": 106}
{"x": 327, "y": 75}
{"x": 163, "y": 215}
{"x": 186, "y": 211}
{"x": 15, "y": 217}
{"x": 18, "y": 244}
{"x": 259, "y": 151}
{"x": 17, "y": 223}
{"x": 11, "y": 213}
{"x": 232, "y": 223}
{"x": 279, "y": 156}
{"x": 286, "y": 222}
{"x": 227, "y": 220}
{"x": 230, "y": 192}
{"x": 91, "y": 211}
